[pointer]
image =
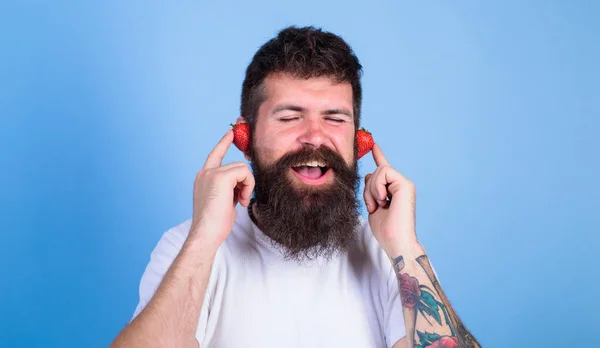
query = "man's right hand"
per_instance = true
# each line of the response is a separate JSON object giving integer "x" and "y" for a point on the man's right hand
{"x": 217, "y": 190}
{"x": 170, "y": 318}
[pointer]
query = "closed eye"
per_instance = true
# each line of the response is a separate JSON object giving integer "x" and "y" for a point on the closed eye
{"x": 336, "y": 120}
{"x": 288, "y": 119}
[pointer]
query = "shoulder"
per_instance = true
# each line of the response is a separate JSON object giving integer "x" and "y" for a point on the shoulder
{"x": 172, "y": 240}
{"x": 161, "y": 258}
{"x": 168, "y": 247}
{"x": 179, "y": 232}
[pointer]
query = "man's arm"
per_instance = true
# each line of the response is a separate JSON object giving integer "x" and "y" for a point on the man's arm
{"x": 429, "y": 318}
{"x": 171, "y": 317}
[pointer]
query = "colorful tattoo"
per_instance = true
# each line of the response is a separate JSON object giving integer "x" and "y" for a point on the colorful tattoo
{"x": 421, "y": 301}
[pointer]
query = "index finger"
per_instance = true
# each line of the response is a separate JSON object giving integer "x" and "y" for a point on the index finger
{"x": 378, "y": 156}
{"x": 215, "y": 157}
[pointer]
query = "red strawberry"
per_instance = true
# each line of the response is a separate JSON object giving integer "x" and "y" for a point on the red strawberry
{"x": 241, "y": 136}
{"x": 365, "y": 142}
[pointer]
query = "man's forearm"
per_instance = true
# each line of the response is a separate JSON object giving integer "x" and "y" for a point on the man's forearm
{"x": 171, "y": 318}
{"x": 428, "y": 315}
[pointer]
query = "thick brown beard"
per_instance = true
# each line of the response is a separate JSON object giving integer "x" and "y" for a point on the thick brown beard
{"x": 308, "y": 222}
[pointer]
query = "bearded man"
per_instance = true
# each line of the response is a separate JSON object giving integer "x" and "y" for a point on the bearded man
{"x": 278, "y": 255}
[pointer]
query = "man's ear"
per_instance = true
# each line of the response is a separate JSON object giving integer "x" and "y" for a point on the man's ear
{"x": 239, "y": 120}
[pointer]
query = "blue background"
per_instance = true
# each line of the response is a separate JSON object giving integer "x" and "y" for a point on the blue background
{"x": 108, "y": 109}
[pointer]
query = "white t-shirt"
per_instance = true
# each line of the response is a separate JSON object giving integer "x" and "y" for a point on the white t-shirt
{"x": 256, "y": 299}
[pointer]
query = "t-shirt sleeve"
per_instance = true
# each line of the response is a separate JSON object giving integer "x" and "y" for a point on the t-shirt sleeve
{"x": 161, "y": 258}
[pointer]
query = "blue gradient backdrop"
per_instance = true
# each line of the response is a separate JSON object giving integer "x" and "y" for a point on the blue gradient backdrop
{"x": 108, "y": 109}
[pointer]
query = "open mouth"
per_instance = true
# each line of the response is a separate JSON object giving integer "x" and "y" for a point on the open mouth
{"x": 312, "y": 172}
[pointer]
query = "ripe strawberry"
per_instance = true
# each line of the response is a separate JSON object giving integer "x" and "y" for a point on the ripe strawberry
{"x": 241, "y": 136}
{"x": 365, "y": 142}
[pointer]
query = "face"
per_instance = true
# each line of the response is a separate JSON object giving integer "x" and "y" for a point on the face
{"x": 301, "y": 113}
{"x": 304, "y": 166}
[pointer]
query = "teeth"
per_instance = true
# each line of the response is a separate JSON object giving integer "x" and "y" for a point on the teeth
{"x": 312, "y": 164}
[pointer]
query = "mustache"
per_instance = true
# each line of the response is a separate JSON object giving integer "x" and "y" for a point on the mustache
{"x": 322, "y": 154}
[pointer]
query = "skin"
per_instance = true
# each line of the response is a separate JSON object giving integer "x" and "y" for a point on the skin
{"x": 296, "y": 113}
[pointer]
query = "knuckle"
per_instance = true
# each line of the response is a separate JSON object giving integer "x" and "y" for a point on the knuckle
{"x": 209, "y": 172}
{"x": 246, "y": 167}
{"x": 212, "y": 174}
{"x": 203, "y": 175}
{"x": 240, "y": 165}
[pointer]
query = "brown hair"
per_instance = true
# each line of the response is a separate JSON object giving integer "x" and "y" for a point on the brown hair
{"x": 303, "y": 53}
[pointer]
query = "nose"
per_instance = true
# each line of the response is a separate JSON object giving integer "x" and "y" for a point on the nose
{"x": 312, "y": 135}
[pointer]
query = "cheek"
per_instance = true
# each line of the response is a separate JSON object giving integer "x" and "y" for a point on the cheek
{"x": 267, "y": 148}
{"x": 278, "y": 141}
{"x": 346, "y": 145}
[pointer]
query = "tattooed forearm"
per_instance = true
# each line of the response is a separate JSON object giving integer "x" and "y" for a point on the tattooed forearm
{"x": 429, "y": 318}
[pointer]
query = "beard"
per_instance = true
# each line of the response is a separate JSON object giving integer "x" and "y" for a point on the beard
{"x": 307, "y": 221}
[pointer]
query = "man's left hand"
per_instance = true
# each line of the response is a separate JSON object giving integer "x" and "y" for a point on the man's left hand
{"x": 391, "y": 202}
